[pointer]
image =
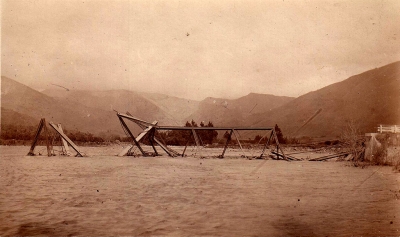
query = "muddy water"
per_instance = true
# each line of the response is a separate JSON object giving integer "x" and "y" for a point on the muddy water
{"x": 108, "y": 195}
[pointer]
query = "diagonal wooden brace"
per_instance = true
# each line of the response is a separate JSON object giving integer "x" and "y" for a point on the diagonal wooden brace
{"x": 63, "y": 136}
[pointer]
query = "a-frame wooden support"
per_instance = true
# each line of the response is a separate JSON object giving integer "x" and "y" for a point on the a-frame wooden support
{"x": 42, "y": 125}
{"x": 126, "y": 128}
{"x": 64, "y": 139}
{"x": 278, "y": 146}
{"x": 148, "y": 130}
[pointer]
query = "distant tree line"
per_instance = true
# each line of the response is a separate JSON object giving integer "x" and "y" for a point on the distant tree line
{"x": 173, "y": 137}
{"x": 282, "y": 139}
{"x": 11, "y": 131}
{"x": 182, "y": 137}
{"x": 27, "y": 133}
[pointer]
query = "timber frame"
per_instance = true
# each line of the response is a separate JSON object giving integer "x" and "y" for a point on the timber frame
{"x": 64, "y": 138}
{"x": 150, "y": 129}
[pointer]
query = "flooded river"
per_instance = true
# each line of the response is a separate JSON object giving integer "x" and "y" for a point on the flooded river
{"x": 108, "y": 195}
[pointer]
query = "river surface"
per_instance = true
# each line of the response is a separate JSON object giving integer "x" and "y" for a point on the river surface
{"x": 108, "y": 195}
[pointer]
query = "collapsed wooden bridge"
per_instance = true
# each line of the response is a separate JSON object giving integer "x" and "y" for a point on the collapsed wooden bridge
{"x": 49, "y": 144}
{"x": 150, "y": 132}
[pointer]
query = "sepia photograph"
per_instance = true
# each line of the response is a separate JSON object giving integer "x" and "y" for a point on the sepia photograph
{"x": 200, "y": 118}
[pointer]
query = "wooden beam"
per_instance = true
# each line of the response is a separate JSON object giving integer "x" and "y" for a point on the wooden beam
{"x": 71, "y": 143}
{"x": 36, "y": 138}
{"x": 139, "y": 138}
{"x": 142, "y": 134}
{"x": 165, "y": 148}
{"x": 213, "y": 128}
{"x": 125, "y": 150}
{"x": 49, "y": 146}
{"x": 278, "y": 147}
{"x": 131, "y": 135}
{"x": 151, "y": 140}
{"x": 266, "y": 145}
{"x": 42, "y": 126}
{"x": 196, "y": 139}
{"x": 64, "y": 142}
{"x": 240, "y": 145}
{"x": 139, "y": 124}
{"x": 184, "y": 150}
{"x": 136, "y": 120}
{"x": 287, "y": 157}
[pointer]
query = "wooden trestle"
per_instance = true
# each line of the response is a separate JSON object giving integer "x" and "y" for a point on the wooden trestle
{"x": 64, "y": 138}
{"x": 151, "y": 128}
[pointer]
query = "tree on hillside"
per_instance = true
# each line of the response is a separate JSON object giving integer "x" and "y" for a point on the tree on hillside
{"x": 210, "y": 135}
{"x": 193, "y": 123}
{"x": 279, "y": 134}
{"x": 180, "y": 138}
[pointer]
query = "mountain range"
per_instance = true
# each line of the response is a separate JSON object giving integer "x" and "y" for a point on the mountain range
{"x": 366, "y": 99}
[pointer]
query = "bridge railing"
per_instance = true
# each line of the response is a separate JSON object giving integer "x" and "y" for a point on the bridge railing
{"x": 389, "y": 129}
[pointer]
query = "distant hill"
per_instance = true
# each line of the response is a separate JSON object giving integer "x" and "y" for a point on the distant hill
{"x": 165, "y": 109}
{"x": 88, "y": 111}
{"x": 177, "y": 109}
{"x": 367, "y": 99}
{"x": 119, "y": 100}
{"x": 225, "y": 112}
{"x": 11, "y": 117}
{"x": 20, "y": 101}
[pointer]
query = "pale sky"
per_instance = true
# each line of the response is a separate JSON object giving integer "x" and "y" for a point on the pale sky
{"x": 196, "y": 49}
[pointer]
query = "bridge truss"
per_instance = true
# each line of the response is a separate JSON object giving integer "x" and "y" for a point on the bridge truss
{"x": 150, "y": 133}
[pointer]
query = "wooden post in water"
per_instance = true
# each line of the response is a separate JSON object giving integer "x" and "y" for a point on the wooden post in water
{"x": 266, "y": 144}
{"x": 42, "y": 125}
{"x": 240, "y": 145}
{"x": 278, "y": 147}
{"x": 196, "y": 139}
{"x": 64, "y": 142}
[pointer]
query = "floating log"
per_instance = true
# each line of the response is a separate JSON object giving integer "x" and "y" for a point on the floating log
{"x": 327, "y": 157}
